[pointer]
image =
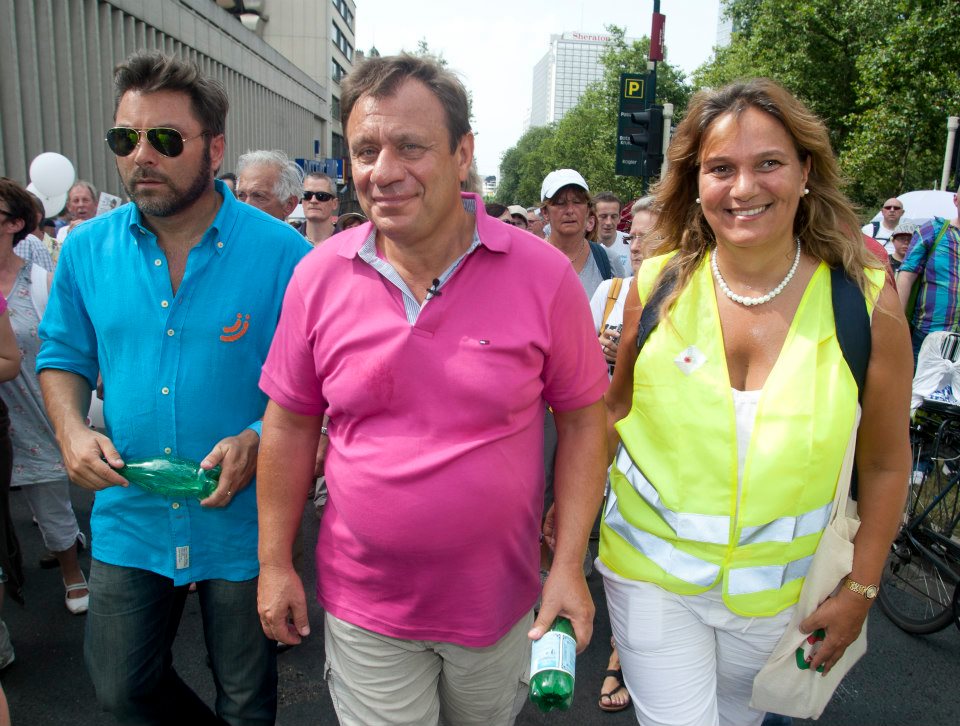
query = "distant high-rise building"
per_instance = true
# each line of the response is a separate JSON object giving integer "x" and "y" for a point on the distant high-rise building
{"x": 725, "y": 26}
{"x": 563, "y": 74}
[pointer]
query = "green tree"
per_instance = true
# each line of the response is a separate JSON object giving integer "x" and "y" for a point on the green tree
{"x": 585, "y": 138}
{"x": 880, "y": 73}
{"x": 524, "y": 166}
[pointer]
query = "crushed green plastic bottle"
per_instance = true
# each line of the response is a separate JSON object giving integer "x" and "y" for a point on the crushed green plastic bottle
{"x": 171, "y": 477}
{"x": 553, "y": 667}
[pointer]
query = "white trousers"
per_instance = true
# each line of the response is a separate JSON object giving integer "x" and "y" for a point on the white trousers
{"x": 687, "y": 659}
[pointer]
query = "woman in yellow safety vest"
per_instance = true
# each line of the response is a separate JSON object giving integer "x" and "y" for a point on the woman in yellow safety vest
{"x": 734, "y": 418}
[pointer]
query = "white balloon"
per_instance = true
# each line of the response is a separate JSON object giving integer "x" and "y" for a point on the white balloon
{"x": 52, "y": 174}
{"x": 52, "y": 206}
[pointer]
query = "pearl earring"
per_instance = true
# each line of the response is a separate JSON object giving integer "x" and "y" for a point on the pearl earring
{"x": 805, "y": 191}
{"x": 698, "y": 200}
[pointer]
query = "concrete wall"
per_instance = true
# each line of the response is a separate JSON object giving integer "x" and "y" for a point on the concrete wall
{"x": 56, "y": 89}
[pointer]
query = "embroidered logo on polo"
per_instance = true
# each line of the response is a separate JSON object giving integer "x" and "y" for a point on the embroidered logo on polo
{"x": 237, "y": 330}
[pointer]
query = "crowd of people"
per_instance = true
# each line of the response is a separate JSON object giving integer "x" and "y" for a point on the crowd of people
{"x": 459, "y": 386}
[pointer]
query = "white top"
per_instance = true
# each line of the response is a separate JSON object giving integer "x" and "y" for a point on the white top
{"x": 599, "y": 302}
{"x": 745, "y": 410}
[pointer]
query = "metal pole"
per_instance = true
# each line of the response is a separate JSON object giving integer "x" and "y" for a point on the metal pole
{"x": 667, "y": 131}
{"x": 952, "y": 123}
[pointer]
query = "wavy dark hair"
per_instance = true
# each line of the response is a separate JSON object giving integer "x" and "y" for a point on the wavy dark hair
{"x": 825, "y": 223}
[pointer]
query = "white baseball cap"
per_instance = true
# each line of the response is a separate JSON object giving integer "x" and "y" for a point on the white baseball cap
{"x": 557, "y": 180}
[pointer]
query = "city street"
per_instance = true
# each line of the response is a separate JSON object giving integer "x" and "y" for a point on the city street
{"x": 903, "y": 679}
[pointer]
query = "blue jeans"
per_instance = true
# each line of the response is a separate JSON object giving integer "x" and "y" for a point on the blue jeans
{"x": 133, "y": 618}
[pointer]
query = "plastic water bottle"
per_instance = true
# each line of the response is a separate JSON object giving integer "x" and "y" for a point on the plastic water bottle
{"x": 171, "y": 477}
{"x": 552, "y": 667}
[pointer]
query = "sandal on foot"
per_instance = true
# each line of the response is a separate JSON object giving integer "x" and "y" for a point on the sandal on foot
{"x": 77, "y": 605}
{"x": 606, "y": 698}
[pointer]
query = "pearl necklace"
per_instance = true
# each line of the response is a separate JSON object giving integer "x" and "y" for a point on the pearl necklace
{"x": 750, "y": 301}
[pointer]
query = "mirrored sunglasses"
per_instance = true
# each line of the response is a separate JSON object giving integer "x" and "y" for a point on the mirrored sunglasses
{"x": 123, "y": 140}
{"x": 321, "y": 196}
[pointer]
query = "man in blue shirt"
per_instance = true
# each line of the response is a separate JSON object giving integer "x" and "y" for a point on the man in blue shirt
{"x": 173, "y": 299}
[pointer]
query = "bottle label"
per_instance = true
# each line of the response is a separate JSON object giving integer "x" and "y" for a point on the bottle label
{"x": 554, "y": 651}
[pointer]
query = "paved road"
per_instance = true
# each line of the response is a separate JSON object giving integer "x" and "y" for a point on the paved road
{"x": 903, "y": 679}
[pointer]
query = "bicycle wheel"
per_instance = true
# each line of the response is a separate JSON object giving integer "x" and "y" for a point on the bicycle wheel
{"x": 914, "y": 595}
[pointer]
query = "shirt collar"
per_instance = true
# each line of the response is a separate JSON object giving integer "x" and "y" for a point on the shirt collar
{"x": 219, "y": 229}
{"x": 492, "y": 233}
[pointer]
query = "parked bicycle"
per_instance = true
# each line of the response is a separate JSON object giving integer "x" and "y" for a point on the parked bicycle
{"x": 919, "y": 587}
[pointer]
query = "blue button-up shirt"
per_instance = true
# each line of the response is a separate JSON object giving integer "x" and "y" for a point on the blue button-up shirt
{"x": 180, "y": 371}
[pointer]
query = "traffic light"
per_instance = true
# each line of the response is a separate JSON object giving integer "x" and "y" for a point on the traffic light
{"x": 639, "y": 130}
{"x": 648, "y": 135}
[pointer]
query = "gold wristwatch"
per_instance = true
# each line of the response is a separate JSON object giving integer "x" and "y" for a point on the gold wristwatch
{"x": 868, "y": 591}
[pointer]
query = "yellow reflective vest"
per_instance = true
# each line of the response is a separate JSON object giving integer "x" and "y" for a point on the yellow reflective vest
{"x": 673, "y": 517}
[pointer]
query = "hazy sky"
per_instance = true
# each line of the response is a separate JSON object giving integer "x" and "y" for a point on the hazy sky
{"x": 494, "y": 46}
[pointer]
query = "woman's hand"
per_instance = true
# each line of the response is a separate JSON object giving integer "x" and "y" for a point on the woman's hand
{"x": 841, "y": 617}
{"x": 610, "y": 343}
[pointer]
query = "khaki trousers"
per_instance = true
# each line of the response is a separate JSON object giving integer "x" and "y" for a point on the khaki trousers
{"x": 374, "y": 679}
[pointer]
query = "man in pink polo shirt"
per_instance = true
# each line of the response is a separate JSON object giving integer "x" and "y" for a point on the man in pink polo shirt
{"x": 433, "y": 337}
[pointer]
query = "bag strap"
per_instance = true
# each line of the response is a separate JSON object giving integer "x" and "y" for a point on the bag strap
{"x": 615, "y": 285}
{"x": 876, "y": 228}
{"x": 936, "y": 241}
{"x": 650, "y": 315}
{"x": 853, "y": 325}
{"x": 603, "y": 262}
{"x": 39, "y": 291}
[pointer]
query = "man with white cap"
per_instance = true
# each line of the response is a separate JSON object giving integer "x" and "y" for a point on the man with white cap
{"x": 567, "y": 207}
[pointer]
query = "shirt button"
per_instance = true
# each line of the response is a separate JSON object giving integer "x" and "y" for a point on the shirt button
{"x": 164, "y": 304}
{"x": 220, "y": 245}
{"x": 175, "y": 505}
{"x": 158, "y": 262}
{"x": 164, "y": 390}
{"x": 168, "y": 450}
{"x": 170, "y": 332}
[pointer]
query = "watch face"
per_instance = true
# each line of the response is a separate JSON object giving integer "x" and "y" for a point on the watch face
{"x": 871, "y": 592}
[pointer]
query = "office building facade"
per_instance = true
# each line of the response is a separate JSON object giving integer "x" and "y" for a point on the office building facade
{"x": 559, "y": 79}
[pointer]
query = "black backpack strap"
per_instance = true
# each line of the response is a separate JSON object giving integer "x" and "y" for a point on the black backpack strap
{"x": 876, "y": 228}
{"x": 853, "y": 325}
{"x": 650, "y": 315}
{"x": 853, "y": 334}
{"x": 603, "y": 262}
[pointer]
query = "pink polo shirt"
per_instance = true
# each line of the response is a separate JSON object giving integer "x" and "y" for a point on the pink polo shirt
{"x": 435, "y": 464}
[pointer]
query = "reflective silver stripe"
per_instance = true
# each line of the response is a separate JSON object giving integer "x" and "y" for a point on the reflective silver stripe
{"x": 710, "y": 528}
{"x": 748, "y": 580}
{"x": 787, "y": 529}
{"x": 673, "y": 561}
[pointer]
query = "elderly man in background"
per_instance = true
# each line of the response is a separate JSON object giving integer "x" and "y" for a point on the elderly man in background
{"x": 81, "y": 206}
{"x": 269, "y": 181}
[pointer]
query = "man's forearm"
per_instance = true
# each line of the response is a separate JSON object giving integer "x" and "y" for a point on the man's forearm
{"x": 285, "y": 468}
{"x": 581, "y": 465}
{"x": 905, "y": 282}
{"x": 66, "y": 397}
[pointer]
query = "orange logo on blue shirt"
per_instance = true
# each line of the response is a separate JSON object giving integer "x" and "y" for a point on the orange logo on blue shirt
{"x": 237, "y": 330}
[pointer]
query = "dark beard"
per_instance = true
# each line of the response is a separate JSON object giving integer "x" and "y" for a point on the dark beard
{"x": 167, "y": 206}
